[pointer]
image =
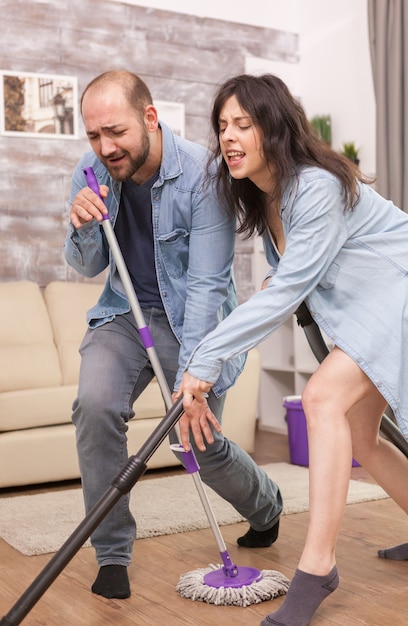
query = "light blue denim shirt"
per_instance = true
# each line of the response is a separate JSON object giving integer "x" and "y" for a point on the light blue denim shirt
{"x": 351, "y": 268}
{"x": 193, "y": 246}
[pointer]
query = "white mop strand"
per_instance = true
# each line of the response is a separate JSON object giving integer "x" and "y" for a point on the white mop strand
{"x": 192, "y": 586}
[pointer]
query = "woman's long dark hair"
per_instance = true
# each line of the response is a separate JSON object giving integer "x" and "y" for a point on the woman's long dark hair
{"x": 288, "y": 142}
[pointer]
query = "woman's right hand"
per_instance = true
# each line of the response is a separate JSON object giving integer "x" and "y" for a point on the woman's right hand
{"x": 197, "y": 416}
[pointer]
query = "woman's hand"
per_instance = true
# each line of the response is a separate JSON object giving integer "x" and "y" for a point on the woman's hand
{"x": 197, "y": 415}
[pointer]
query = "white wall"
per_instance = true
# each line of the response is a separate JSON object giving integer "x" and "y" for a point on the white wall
{"x": 268, "y": 13}
{"x": 333, "y": 75}
{"x": 336, "y": 75}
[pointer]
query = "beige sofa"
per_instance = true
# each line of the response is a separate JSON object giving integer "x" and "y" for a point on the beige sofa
{"x": 40, "y": 332}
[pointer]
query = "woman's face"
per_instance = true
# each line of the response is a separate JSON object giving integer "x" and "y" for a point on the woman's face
{"x": 241, "y": 145}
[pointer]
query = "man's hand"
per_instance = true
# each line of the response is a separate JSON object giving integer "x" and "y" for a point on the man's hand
{"x": 87, "y": 205}
{"x": 197, "y": 414}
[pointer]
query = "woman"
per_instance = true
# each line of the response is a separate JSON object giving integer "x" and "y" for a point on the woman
{"x": 334, "y": 243}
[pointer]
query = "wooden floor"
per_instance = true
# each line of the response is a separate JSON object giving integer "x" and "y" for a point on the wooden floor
{"x": 372, "y": 591}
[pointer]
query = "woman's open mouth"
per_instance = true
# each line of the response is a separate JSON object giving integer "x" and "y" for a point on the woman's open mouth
{"x": 234, "y": 157}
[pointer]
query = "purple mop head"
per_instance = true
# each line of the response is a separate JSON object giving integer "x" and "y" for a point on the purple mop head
{"x": 250, "y": 586}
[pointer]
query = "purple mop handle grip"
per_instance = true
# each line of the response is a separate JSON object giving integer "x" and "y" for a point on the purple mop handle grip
{"x": 93, "y": 184}
{"x": 190, "y": 461}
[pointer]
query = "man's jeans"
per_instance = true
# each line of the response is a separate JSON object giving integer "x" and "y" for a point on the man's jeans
{"x": 115, "y": 369}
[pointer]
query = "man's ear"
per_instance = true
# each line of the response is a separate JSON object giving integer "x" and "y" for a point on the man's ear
{"x": 151, "y": 118}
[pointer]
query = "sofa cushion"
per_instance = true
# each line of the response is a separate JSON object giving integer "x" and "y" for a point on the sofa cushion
{"x": 28, "y": 356}
{"x": 30, "y": 408}
{"x": 67, "y": 305}
{"x": 51, "y": 406}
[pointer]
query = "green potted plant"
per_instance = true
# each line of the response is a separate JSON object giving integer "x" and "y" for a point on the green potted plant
{"x": 351, "y": 152}
{"x": 322, "y": 126}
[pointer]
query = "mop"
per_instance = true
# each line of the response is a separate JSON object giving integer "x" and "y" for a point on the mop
{"x": 224, "y": 584}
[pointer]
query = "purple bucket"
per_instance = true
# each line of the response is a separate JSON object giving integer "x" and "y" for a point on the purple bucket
{"x": 297, "y": 432}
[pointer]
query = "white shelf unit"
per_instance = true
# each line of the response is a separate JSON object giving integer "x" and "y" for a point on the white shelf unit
{"x": 287, "y": 361}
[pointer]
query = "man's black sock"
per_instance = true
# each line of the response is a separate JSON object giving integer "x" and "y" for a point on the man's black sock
{"x": 259, "y": 538}
{"x": 112, "y": 582}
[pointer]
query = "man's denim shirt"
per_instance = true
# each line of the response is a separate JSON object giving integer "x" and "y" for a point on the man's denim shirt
{"x": 193, "y": 244}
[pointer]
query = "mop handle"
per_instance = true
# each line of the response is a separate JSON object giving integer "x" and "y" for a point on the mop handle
{"x": 147, "y": 340}
{"x": 143, "y": 329}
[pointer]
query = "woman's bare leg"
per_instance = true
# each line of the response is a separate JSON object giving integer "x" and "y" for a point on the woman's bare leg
{"x": 335, "y": 388}
{"x": 386, "y": 464}
{"x": 338, "y": 388}
{"x": 384, "y": 461}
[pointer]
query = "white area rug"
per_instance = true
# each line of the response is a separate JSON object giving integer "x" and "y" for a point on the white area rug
{"x": 41, "y": 523}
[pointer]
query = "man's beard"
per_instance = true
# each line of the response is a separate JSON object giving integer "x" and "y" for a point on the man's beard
{"x": 133, "y": 163}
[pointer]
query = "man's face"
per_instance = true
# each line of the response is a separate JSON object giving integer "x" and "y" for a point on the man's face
{"x": 117, "y": 135}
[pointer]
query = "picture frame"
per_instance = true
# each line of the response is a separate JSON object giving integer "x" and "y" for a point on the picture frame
{"x": 38, "y": 105}
{"x": 172, "y": 114}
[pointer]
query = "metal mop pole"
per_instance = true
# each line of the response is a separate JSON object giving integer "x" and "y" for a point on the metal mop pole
{"x": 190, "y": 461}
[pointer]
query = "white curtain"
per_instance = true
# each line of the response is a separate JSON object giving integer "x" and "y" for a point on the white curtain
{"x": 388, "y": 33}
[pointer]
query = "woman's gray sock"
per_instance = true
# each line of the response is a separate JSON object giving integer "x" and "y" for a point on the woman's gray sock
{"x": 396, "y": 553}
{"x": 306, "y": 592}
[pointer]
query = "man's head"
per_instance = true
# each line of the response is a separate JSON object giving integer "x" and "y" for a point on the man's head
{"x": 122, "y": 125}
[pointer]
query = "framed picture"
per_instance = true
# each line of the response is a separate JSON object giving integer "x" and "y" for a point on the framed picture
{"x": 172, "y": 114}
{"x": 38, "y": 105}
